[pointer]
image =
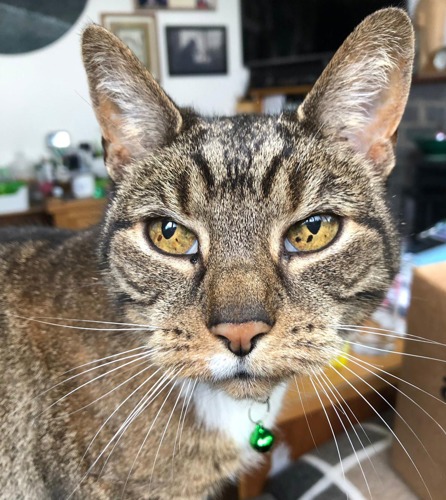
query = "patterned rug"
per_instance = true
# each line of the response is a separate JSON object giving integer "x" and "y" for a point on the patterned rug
{"x": 356, "y": 467}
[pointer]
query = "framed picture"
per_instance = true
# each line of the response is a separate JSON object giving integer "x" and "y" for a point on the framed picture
{"x": 196, "y": 50}
{"x": 176, "y": 4}
{"x": 138, "y": 32}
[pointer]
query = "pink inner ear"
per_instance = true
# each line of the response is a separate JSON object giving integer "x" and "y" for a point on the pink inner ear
{"x": 379, "y": 152}
{"x": 377, "y": 138}
{"x": 387, "y": 112}
{"x": 117, "y": 154}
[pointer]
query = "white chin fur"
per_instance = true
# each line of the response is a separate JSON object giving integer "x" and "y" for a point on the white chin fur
{"x": 216, "y": 410}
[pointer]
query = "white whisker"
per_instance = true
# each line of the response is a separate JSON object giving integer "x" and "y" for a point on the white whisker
{"x": 330, "y": 425}
{"x": 117, "y": 409}
{"x": 387, "y": 425}
{"x": 185, "y": 413}
{"x": 179, "y": 424}
{"x": 322, "y": 384}
{"x": 385, "y": 330}
{"x": 305, "y": 413}
{"x": 148, "y": 351}
{"x": 395, "y": 352}
{"x": 390, "y": 336}
{"x": 359, "y": 363}
{"x": 340, "y": 398}
{"x": 396, "y": 377}
{"x": 146, "y": 437}
{"x": 164, "y": 433}
{"x": 107, "y": 445}
{"x": 72, "y": 327}
{"x": 394, "y": 409}
{"x": 352, "y": 413}
{"x": 115, "y": 388}
{"x": 139, "y": 408}
{"x": 108, "y": 357}
{"x": 92, "y": 380}
{"x": 38, "y": 318}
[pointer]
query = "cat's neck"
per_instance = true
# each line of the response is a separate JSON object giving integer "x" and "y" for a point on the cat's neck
{"x": 216, "y": 410}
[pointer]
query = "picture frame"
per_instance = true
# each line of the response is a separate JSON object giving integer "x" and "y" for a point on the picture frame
{"x": 144, "y": 5}
{"x": 139, "y": 33}
{"x": 196, "y": 50}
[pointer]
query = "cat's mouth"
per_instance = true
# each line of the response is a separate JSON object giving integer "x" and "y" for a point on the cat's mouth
{"x": 246, "y": 386}
{"x": 243, "y": 375}
{"x": 228, "y": 370}
{"x": 244, "y": 383}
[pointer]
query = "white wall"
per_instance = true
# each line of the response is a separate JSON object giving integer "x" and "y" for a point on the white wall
{"x": 47, "y": 90}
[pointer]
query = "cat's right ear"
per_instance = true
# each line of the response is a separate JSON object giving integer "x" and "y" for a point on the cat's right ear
{"x": 360, "y": 97}
{"x": 134, "y": 113}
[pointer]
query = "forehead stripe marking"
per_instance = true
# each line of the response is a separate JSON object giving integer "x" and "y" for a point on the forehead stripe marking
{"x": 183, "y": 191}
{"x": 270, "y": 174}
{"x": 204, "y": 170}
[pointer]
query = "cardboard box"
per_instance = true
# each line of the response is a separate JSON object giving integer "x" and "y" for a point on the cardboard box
{"x": 427, "y": 319}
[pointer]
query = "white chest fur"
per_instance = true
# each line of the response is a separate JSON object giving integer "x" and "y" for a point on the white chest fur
{"x": 216, "y": 410}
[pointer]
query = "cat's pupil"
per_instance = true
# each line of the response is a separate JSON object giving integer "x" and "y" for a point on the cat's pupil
{"x": 314, "y": 224}
{"x": 168, "y": 229}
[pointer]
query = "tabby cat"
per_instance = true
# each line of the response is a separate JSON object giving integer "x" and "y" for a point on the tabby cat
{"x": 135, "y": 355}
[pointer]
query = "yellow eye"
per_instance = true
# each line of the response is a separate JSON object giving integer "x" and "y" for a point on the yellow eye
{"x": 314, "y": 233}
{"x": 171, "y": 237}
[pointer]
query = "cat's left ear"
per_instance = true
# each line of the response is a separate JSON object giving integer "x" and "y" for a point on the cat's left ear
{"x": 134, "y": 113}
{"x": 361, "y": 95}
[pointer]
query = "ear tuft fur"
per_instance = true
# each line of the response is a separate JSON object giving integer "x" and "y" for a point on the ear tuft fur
{"x": 134, "y": 113}
{"x": 361, "y": 95}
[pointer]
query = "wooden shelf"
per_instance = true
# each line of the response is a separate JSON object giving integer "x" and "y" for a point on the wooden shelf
{"x": 260, "y": 93}
{"x": 35, "y": 215}
{"x": 424, "y": 79}
{"x": 255, "y": 104}
{"x": 290, "y": 90}
{"x": 65, "y": 214}
{"x": 76, "y": 214}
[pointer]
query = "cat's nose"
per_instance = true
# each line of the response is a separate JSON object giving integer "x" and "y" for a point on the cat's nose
{"x": 241, "y": 338}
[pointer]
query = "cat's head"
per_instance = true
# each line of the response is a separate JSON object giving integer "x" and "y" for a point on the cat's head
{"x": 245, "y": 241}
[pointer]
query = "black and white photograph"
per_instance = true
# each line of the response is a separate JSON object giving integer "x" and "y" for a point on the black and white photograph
{"x": 196, "y": 50}
{"x": 176, "y": 4}
{"x": 151, "y": 4}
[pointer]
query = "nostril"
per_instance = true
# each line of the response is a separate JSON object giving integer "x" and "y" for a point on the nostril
{"x": 238, "y": 349}
{"x": 224, "y": 339}
{"x": 255, "y": 339}
{"x": 239, "y": 346}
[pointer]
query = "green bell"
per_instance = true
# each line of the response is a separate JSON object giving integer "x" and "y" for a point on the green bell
{"x": 261, "y": 439}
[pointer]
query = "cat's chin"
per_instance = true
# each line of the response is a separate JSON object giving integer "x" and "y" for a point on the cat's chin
{"x": 258, "y": 389}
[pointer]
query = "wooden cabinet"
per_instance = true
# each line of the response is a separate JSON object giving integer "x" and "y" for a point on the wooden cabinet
{"x": 76, "y": 214}
{"x": 257, "y": 95}
{"x": 34, "y": 216}
{"x": 64, "y": 214}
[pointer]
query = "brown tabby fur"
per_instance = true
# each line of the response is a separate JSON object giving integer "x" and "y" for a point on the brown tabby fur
{"x": 238, "y": 183}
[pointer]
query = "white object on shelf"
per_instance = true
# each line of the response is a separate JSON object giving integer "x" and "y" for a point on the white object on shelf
{"x": 83, "y": 185}
{"x": 17, "y": 202}
{"x": 273, "y": 104}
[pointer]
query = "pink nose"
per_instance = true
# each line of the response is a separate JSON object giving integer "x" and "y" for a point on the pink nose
{"x": 240, "y": 336}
